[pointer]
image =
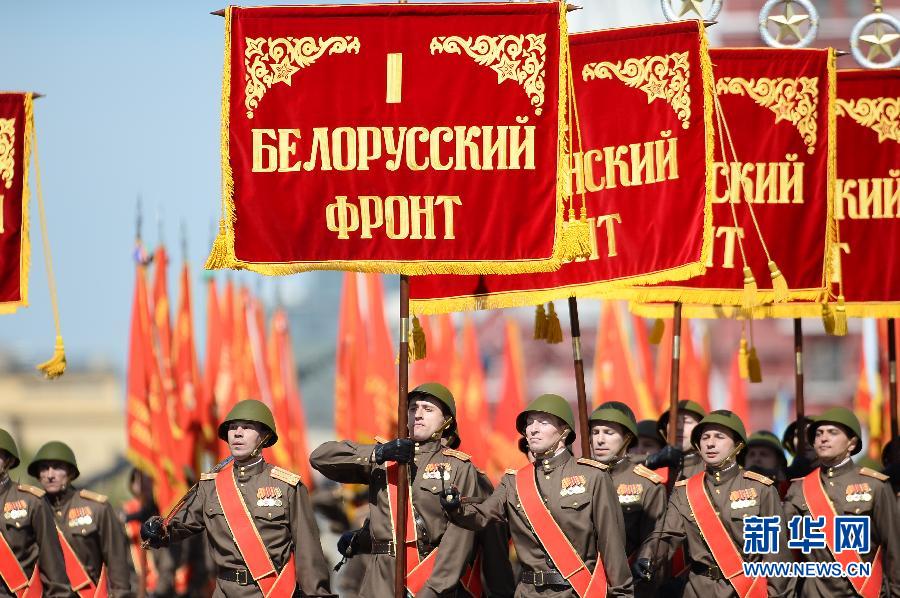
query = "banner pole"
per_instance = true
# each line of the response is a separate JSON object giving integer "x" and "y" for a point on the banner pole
{"x": 799, "y": 403}
{"x": 583, "y": 428}
{"x": 676, "y": 365}
{"x": 402, "y": 432}
{"x": 892, "y": 374}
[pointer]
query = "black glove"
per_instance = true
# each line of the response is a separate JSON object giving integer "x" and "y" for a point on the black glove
{"x": 451, "y": 500}
{"x": 153, "y": 532}
{"x": 347, "y": 543}
{"x": 641, "y": 569}
{"x": 800, "y": 467}
{"x": 399, "y": 450}
{"x": 670, "y": 456}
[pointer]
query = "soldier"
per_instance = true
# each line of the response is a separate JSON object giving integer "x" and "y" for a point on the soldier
{"x": 31, "y": 561}
{"x": 840, "y": 487}
{"x": 681, "y": 459}
{"x": 707, "y": 512}
{"x": 765, "y": 456}
{"x": 802, "y": 462}
{"x": 562, "y": 512}
{"x": 437, "y": 553}
{"x": 92, "y": 538}
{"x": 648, "y": 440}
{"x": 642, "y": 495}
{"x": 258, "y": 518}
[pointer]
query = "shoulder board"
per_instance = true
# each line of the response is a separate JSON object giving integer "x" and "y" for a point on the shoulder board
{"x": 458, "y": 454}
{"x": 380, "y": 440}
{"x": 752, "y": 475}
{"x": 873, "y": 474}
{"x": 681, "y": 483}
{"x": 285, "y": 476}
{"x": 32, "y": 490}
{"x": 93, "y": 496}
{"x": 511, "y": 471}
{"x": 651, "y": 475}
{"x": 208, "y": 476}
{"x": 593, "y": 463}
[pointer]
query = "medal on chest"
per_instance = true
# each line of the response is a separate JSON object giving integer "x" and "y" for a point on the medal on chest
{"x": 575, "y": 484}
{"x": 79, "y": 516}
{"x": 268, "y": 496}
{"x": 16, "y": 509}
{"x": 432, "y": 471}
{"x": 742, "y": 499}
{"x": 629, "y": 493}
{"x": 859, "y": 493}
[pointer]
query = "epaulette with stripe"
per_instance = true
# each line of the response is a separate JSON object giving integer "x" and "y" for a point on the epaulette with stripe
{"x": 681, "y": 483}
{"x": 210, "y": 475}
{"x": 511, "y": 471}
{"x": 874, "y": 474}
{"x": 645, "y": 472}
{"x": 458, "y": 454}
{"x": 32, "y": 490}
{"x": 752, "y": 475}
{"x": 593, "y": 463}
{"x": 380, "y": 440}
{"x": 93, "y": 496}
{"x": 285, "y": 476}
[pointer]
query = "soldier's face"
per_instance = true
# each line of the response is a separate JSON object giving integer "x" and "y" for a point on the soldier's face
{"x": 686, "y": 423}
{"x": 716, "y": 445}
{"x": 832, "y": 442}
{"x": 425, "y": 418}
{"x": 761, "y": 456}
{"x": 645, "y": 446}
{"x": 607, "y": 441}
{"x": 543, "y": 432}
{"x": 54, "y": 476}
{"x": 243, "y": 438}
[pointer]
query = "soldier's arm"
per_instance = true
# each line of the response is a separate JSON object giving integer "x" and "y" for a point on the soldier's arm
{"x": 669, "y": 533}
{"x": 50, "y": 555}
{"x": 189, "y": 520}
{"x": 885, "y": 528}
{"x": 456, "y": 544}
{"x": 654, "y": 510}
{"x": 792, "y": 501}
{"x": 312, "y": 570}
{"x": 344, "y": 461}
{"x": 116, "y": 555}
{"x": 609, "y": 527}
{"x": 476, "y": 517}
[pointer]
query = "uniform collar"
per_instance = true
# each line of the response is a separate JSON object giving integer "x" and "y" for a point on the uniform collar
{"x": 619, "y": 464}
{"x": 61, "y": 497}
{"x": 428, "y": 447}
{"x": 720, "y": 476}
{"x": 556, "y": 461}
{"x": 844, "y": 467}
{"x": 691, "y": 458}
{"x": 245, "y": 470}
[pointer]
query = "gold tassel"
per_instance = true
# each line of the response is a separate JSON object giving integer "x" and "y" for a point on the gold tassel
{"x": 743, "y": 360}
{"x": 417, "y": 346}
{"x": 779, "y": 284}
{"x": 576, "y": 239}
{"x": 540, "y": 323}
{"x": 56, "y": 365}
{"x": 218, "y": 253}
{"x": 840, "y": 317}
{"x": 828, "y": 318}
{"x": 754, "y": 370}
{"x": 749, "y": 299}
{"x": 656, "y": 333}
{"x": 554, "y": 329}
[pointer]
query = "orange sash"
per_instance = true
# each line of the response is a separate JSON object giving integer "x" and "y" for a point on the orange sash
{"x": 79, "y": 579}
{"x": 555, "y": 542}
{"x": 720, "y": 543}
{"x": 820, "y": 506}
{"x": 11, "y": 570}
{"x": 249, "y": 542}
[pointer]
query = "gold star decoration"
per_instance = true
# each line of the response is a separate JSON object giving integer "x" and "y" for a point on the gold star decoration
{"x": 654, "y": 88}
{"x": 885, "y": 130}
{"x": 788, "y": 23}
{"x": 880, "y": 42}
{"x": 283, "y": 71}
{"x": 691, "y": 6}
{"x": 506, "y": 69}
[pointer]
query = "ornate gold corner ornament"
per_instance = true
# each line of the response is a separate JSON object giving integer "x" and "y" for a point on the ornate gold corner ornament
{"x": 793, "y": 100}
{"x": 660, "y": 77}
{"x": 882, "y": 115}
{"x": 268, "y": 61}
{"x": 519, "y": 58}
{"x": 7, "y": 151}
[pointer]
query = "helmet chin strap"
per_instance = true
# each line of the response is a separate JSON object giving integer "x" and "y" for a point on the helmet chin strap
{"x": 440, "y": 431}
{"x": 729, "y": 460}
{"x": 553, "y": 447}
{"x": 259, "y": 445}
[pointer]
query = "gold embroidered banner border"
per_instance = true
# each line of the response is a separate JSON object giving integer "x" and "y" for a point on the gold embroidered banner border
{"x": 17, "y": 101}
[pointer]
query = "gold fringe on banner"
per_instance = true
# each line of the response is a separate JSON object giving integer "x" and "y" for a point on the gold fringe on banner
{"x": 540, "y": 323}
{"x": 554, "y": 329}
{"x": 656, "y": 333}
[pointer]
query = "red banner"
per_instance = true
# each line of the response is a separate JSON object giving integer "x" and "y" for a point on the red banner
{"x": 16, "y": 129}
{"x": 775, "y": 170}
{"x": 643, "y": 163}
{"x": 395, "y": 138}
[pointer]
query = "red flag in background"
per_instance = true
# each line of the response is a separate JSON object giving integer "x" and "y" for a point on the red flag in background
{"x": 504, "y": 436}
{"x": 226, "y": 384}
{"x": 693, "y": 369}
{"x": 349, "y": 413}
{"x": 618, "y": 374}
{"x": 186, "y": 373}
{"x": 737, "y": 391}
{"x": 261, "y": 384}
{"x": 207, "y": 415}
{"x": 381, "y": 374}
{"x": 471, "y": 406}
{"x": 139, "y": 425}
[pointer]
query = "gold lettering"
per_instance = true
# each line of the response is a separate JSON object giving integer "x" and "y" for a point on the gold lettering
{"x": 517, "y": 148}
{"x": 607, "y": 220}
{"x": 416, "y": 213}
{"x": 269, "y": 161}
{"x": 465, "y": 145}
{"x": 836, "y": 250}
{"x": 792, "y": 181}
{"x": 613, "y": 156}
{"x": 891, "y": 198}
{"x": 368, "y": 151}
{"x": 370, "y": 220}
{"x": 394, "y": 78}
{"x": 344, "y": 138}
{"x": 439, "y": 134}
{"x": 420, "y": 133}
{"x": 869, "y": 198}
{"x": 320, "y": 148}
{"x": 767, "y": 183}
{"x": 590, "y": 184}
{"x": 448, "y": 201}
{"x": 2, "y": 229}
{"x": 731, "y": 233}
{"x": 642, "y": 167}
{"x": 494, "y": 148}
{"x": 394, "y": 146}
{"x": 396, "y": 222}
{"x": 286, "y": 149}
{"x": 344, "y": 221}
{"x": 666, "y": 158}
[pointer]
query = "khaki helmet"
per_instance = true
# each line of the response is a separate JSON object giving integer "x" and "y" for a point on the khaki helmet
{"x": 54, "y": 451}
{"x": 9, "y": 445}
{"x": 725, "y": 418}
{"x": 788, "y": 439}
{"x": 618, "y": 413}
{"x": 442, "y": 395}
{"x": 250, "y": 410}
{"x": 647, "y": 429}
{"x": 553, "y": 405}
{"x": 840, "y": 416}
{"x": 768, "y": 440}
{"x": 691, "y": 407}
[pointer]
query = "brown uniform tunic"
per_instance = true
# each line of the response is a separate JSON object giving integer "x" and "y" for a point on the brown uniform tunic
{"x": 642, "y": 497}
{"x": 351, "y": 463}
{"x": 493, "y": 544}
{"x": 680, "y": 527}
{"x": 691, "y": 465}
{"x": 290, "y": 527}
{"x": 32, "y": 537}
{"x": 879, "y": 504}
{"x": 92, "y": 529}
{"x": 591, "y": 520}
